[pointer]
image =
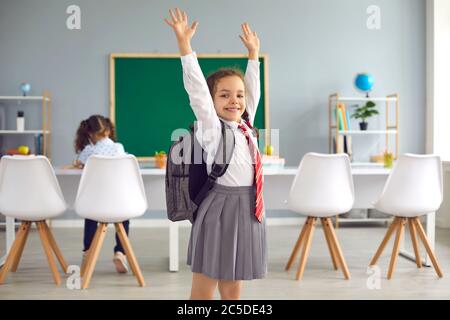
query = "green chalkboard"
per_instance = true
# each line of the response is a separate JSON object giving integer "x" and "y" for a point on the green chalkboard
{"x": 148, "y": 100}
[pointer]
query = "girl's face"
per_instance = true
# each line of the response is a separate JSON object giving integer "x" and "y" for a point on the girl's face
{"x": 229, "y": 98}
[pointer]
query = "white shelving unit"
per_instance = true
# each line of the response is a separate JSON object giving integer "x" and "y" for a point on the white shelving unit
{"x": 391, "y": 129}
{"x": 45, "y": 130}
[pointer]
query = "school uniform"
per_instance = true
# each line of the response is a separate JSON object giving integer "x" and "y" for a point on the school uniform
{"x": 227, "y": 242}
{"x": 105, "y": 147}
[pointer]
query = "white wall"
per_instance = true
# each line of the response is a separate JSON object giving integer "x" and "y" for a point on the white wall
{"x": 315, "y": 47}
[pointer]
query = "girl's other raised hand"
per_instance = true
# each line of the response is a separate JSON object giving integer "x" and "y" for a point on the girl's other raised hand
{"x": 179, "y": 24}
{"x": 250, "y": 40}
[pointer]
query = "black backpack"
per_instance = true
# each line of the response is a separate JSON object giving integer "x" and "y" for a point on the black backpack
{"x": 187, "y": 179}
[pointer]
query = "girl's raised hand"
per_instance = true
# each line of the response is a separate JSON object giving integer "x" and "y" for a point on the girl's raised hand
{"x": 250, "y": 40}
{"x": 179, "y": 23}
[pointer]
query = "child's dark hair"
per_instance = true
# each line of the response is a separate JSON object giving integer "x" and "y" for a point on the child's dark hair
{"x": 214, "y": 78}
{"x": 95, "y": 124}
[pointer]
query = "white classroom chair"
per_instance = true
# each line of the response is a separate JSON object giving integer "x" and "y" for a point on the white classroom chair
{"x": 322, "y": 188}
{"x": 30, "y": 192}
{"x": 111, "y": 190}
{"x": 413, "y": 189}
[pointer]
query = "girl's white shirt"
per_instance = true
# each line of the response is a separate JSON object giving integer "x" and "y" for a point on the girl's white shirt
{"x": 104, "y": 147}
{"x": 240, "y": 171}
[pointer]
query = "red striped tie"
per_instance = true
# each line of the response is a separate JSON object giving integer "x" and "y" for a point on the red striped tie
{"x": 256, "y": 157}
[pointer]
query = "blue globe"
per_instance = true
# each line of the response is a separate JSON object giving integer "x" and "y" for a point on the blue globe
{"x": 364, "y": 82}
{"x": 25, "y": 88}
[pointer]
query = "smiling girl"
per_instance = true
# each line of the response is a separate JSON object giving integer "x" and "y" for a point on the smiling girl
{"x": 228, "y": 238}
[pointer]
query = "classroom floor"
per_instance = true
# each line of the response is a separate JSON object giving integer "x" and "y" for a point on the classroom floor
{"x": 34, "y": 281}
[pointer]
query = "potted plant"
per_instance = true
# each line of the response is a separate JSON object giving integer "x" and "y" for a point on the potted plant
{"x": 363, "y": 112}
{"x": 160, "y": 159}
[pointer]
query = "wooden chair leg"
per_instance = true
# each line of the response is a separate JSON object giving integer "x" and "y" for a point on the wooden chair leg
{"x": 427, "y": 245}
{"x": 383, "y": 244}
{"x": 48, "y": 252}
{"x": 415, "y": 243}
{"x": 13, "y": 252}
{"x": 337, "y": 248}
{"x": 21, "y": 246}
{"x": 55, "y": 248}
{"x": 396, "y": 248}
{"x": 329, "y": 244}
{"x": 94, "y": 251}
{"x": 129, "y": 253}
{"x": 88, "y": 252}
{"x": 307, "y": 246}
{"x": 298, "y": 244}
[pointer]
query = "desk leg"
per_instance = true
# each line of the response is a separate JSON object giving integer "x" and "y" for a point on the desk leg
{"x": 430, "y": 229}
{"x": 173, "y": 246}
{"x": 10, "y": 236}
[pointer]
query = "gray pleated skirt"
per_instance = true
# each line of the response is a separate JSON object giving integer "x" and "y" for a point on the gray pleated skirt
{"x": 227, "y": 242}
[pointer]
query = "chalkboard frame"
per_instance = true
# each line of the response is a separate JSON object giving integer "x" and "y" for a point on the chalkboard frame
{"x": 112, "y": 79}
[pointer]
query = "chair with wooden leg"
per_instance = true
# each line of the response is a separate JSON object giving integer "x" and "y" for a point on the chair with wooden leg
{"x": 111, "y": 190}
{"x": 30, "y": 193}
{"x": 322, "y": 188}
{"x": 413, "y": 189}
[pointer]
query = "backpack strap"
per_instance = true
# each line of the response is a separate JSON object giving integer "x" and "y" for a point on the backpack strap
{"x": 224, "y": 152}
{"x": 221, "y": 160}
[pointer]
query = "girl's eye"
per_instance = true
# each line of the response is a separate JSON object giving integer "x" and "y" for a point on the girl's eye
{"x": 240, "y": 96}
{"x": 224, "y": 96}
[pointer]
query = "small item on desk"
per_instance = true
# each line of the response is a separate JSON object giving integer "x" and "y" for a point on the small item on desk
{"x": 272, "y": 161}
{"x": 160, "y": 159}
{"x": 379, "y": 158}
{"x": 146, "y": 162}
{"x": 268, "y": 149}
{"x": 388, "y": 159}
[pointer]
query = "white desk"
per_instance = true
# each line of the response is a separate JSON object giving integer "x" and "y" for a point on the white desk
{"x": 368, "y": 182}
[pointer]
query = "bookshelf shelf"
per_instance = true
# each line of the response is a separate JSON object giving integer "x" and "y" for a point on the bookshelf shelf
{"x": 393, "y": 99}
{"x": 24, "y": 132}
{"x": 24, "y": 98}
{"x": 43, "y": 134}
{"x": 366, "y": 132}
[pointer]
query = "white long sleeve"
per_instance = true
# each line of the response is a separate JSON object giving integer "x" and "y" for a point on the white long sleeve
{"x": 253, "y": 92}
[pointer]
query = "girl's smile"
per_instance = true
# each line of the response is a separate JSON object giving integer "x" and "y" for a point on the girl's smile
{"x": 232, "y": 109}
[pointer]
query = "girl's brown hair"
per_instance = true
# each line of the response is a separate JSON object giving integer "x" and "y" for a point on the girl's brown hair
{"x": 95, "y": 124}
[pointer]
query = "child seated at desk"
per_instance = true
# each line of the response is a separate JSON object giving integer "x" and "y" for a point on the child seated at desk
{"x": 96, "y": 136}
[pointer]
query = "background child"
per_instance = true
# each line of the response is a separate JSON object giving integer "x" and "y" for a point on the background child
{"x": 96, "y": 136}
{"x": 228, "y": 242}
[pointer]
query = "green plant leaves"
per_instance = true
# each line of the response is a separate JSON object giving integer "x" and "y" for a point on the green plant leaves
{"x": 366, "y": 111}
